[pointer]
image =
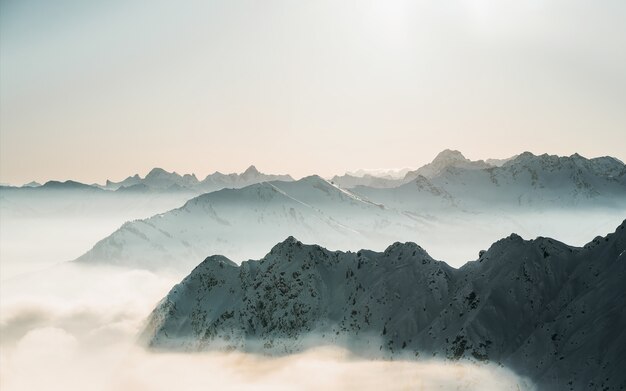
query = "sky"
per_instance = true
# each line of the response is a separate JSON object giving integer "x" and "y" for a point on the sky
{"x": 97, "y": 90}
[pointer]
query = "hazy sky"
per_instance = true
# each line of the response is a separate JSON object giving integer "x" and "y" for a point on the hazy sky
{"x": 96, "y": 90}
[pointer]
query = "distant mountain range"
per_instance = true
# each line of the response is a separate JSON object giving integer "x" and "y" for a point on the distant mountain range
{"x": 240, "y": 222}
{"x": 549, "y": 311}
{"x": 449, "y": 161}
{"x": 444, "y": 160}
{"x": 450, "y": 172}
{"x": 160, "y": 180}
{"x": 544, "y": 181}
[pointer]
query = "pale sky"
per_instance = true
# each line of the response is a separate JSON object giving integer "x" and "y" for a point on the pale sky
{"x": 96, "y": 90}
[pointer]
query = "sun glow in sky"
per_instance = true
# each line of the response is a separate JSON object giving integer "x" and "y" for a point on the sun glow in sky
{"x": 96, "y": 90}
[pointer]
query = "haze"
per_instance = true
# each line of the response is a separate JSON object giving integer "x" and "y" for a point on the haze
{"x": 91, "y": 91}
{"x": 75, "y": 328}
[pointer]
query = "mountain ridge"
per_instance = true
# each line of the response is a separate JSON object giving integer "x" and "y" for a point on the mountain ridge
{"x": 160, "y": 179}
{"x": 541, "y": 307}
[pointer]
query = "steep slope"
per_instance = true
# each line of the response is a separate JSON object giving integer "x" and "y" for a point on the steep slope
{"x": 547, "y": 310}
{"x": 257, "y": 216}
{"x": 420, "y": 195}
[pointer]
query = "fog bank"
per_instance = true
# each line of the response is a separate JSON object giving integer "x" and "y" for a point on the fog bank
{"x": 75, "y": 328}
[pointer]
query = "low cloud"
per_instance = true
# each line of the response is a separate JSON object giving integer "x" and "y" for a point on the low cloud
{"x": 76, "y": 328}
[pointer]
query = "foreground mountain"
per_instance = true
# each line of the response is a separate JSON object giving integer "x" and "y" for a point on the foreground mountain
{"x": 160, "y": 180}
{"x": 549, "y": 311}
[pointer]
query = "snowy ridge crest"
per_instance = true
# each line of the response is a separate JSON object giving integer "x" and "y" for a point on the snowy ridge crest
{"x": 533, "y": 305}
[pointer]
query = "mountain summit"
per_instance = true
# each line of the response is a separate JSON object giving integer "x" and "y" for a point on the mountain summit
{"x": 444, "y": 160}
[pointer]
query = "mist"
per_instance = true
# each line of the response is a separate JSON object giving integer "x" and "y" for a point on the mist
{"x": 75, "y": 328}
{"x": 42, "y": 228}
{"x": 68, "y": 326}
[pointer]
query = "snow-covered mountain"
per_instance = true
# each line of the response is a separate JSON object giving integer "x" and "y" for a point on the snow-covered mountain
{"x": 160, "y": 180}
{"x": 530, "y": 194}
{"x": 527, "y": 181}
{"x": 59, "y": 221}
{"x": 444, "y": 160}
{"x": 552, "y": 312}
{"x": 239, "y": 222}
{"x": 385, "y": 179}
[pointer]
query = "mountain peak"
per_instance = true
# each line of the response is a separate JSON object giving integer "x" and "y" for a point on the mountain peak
{"x": 313, "y": 179}
{"x": 576, "y": 155}
{"x": 251, "y": 171}
{"x": 32, "y": 184}
{"x": 157, "y": 171}
{"x": 286, "y": 245}
{"x": 290, "y": 241}
{"x": 219, "y": 260}
{"x": 448, "y": 155}
{"x": 408, "y": 247}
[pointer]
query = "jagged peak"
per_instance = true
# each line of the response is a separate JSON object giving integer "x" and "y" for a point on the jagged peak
{"x": 448, "y": 155}
{"x": 399, "y": 247}
{"x": 505, "y": 242}
{"x": 216, "y": 260}
{"x": 545, "y": 157}
{"x": 252, "y": 170}
{"x": 576, "y": 155}
{"x": 287, "y": 243}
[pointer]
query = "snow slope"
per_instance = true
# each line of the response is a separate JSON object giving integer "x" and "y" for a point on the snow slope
{"x": 549, "y": 311}
{"x": 239, "y": 222}
{"x": 526, "y": 182}
{"x": 533, "y": 195}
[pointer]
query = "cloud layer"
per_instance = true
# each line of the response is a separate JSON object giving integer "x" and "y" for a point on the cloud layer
{"x": 75, "y": 328}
